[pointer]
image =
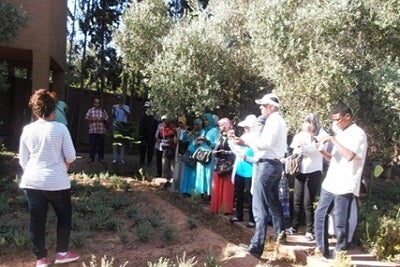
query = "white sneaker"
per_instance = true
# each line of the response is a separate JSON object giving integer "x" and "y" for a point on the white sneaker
{"x": 309, "y": 237}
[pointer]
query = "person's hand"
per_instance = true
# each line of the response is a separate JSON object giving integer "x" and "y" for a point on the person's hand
{"x": 239, "y": 141}
{"x": 219, "y": 152}
{"x": 240, "y": 155}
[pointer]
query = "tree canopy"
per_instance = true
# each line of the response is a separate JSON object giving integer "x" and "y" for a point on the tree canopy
{"x": 312, "y": 54}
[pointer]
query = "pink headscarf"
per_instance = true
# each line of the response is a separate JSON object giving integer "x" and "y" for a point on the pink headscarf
{"x": 226, "y": 123}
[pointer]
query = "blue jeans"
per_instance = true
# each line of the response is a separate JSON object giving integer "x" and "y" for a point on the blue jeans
{"x": 38, "y": 201}
{"x": 266, "y": 196}
{"x": 340, "y": 205}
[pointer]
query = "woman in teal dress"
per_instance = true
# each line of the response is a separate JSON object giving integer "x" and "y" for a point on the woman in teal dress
{"x": 207, "y": 141}
{"x": 189, "y": 172}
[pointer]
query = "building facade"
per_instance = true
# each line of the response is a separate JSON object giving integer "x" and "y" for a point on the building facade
{"x": 40, "y": 51}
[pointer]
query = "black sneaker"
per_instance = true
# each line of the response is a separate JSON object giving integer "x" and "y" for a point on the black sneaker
{"x": 249, "y": 249}
{"x": 235, "y": 219}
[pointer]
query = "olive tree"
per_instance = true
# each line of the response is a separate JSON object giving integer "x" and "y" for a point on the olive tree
{"x": 318, "y": 53}
{"x": 201, "y": 62}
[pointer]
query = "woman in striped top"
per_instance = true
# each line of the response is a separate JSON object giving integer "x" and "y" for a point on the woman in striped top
{"x": 45, "y": 153}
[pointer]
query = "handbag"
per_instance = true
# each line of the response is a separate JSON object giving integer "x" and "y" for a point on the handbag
{"x": 293, "y": 165}
{"x": 188, "y": 159}
{"x": 202, "y": 156}
{"x": 224, "y": 166}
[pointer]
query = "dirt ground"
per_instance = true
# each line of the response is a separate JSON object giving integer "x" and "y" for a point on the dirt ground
{"x": 214, "y": 236}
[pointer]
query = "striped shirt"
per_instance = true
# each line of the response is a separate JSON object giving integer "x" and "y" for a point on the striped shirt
{"x": 45, "y": 147}
{"x": 96, "y": 118}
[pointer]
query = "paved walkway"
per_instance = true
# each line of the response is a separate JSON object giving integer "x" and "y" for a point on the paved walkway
{"x": 302, "y": 251}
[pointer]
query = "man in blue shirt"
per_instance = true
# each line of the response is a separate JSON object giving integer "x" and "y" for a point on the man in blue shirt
{"x": 120, "y": 113}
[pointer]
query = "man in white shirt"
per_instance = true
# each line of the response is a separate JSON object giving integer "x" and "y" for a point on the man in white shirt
{"x": 269, "y": 147}
{"x": 342, "y": 181}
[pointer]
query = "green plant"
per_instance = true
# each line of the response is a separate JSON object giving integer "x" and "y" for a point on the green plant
{"x": 119, "y": 201}
{"x": 212, "y": 260}
{"x": 117, "y": 182}
{"x": 387, "y": 243}
{"x": 154, "y": 217}
{"x": 112, "y": 224}
{"x": 4, "y": 205}
{"x": 78, "y": 239}
{"x": 183, "y": 262}
{"x": 3, "y": 242}
{"x": 192, "y": 223}
{"x": 123, "y": 237}
{"x": 132, "y": 211}
{"x": 342, "y": 260}
{"x": 20, "y": 239}
{"x": 143, "y": 231}
{"x": 168, "y": 232}
{"x": 104, "y": 262}
{"x": 162, "y": 262}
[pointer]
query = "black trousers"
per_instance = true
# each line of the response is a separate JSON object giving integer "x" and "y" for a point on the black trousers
{"x": 306, "y": 186}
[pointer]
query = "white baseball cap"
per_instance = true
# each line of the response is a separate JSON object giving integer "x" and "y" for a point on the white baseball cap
{"x": 146, "y": 104}
{"x": 249, "y": 121}
{"x": 269, "y": 99}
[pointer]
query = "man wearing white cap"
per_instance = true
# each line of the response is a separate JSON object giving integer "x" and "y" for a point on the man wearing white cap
{"x": 269, "y": 147}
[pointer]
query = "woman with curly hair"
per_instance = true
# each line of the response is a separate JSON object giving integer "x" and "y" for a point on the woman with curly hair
{"x": 45, "y": 153}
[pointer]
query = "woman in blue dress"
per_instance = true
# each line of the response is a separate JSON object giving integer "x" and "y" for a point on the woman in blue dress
{"x": 207, "y": 141}
{"x": 189, "y": 172}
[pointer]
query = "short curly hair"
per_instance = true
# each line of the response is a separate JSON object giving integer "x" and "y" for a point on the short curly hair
{"x": 42, "y": 103}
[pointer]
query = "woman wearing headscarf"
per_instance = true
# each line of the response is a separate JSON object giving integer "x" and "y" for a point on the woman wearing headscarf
{"x": 207, "y": 141}
{"x": 308, "y": 181}
{"x": 222, "y": 192}
{"x": 189, "y": 171}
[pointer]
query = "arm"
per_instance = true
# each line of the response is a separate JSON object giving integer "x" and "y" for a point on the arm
{"x": 345, "y": 152}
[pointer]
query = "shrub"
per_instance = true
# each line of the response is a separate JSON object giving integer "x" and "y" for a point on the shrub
{"x": 387, "y": 244}
{"x": 212, "y": 260}
{"x": 132, "y": 211}
{"x": 123, "y": 237}
{"x": 162, "y": 262}
{"x": 119, "y": 202}
{"x": 20, "y": 239}
{"x": 154, "y": 218}
{"x": 78, "y": 239}
{"x": 168, "y": 232}
{"x": 143, "y": 231}
{"x": 183, "y": 262}
{"x": 4, "y": 205}
{"x": 342, "y": 260}
{"x": 104, "y": 262}
{"x": 117, "y": 182}
{"x": 192, "y": 223}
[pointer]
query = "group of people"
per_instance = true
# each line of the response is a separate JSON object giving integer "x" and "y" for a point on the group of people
{"x": 97, "y": 118}
{"x": 238, "y": 168}
{"x": 256, "y": 159}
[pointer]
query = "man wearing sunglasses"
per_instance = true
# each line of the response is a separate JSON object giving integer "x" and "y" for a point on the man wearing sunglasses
{"x": 342, "y": 181}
